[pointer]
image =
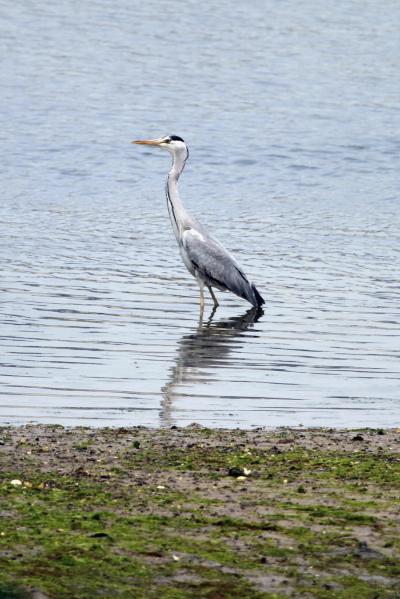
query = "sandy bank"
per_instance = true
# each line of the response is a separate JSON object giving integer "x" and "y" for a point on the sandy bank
{"x": 195, "y": 512}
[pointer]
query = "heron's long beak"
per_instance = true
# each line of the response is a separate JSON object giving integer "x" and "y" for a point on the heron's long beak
{"x": 148, "y": 142}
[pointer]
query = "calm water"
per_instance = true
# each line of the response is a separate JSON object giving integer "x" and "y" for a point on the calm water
{"x": 292, "y": 115}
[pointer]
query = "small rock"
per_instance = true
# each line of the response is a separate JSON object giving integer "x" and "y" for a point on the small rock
{"x": 275, "y": 450}
{"x": 366, "y": 552}
{"x": 237, "y": 471}
{"x": 96, "y": 516}
{"x": 101, "y": 535}
{"x": 16, "y": 482}
{"x": 332, "y": 586}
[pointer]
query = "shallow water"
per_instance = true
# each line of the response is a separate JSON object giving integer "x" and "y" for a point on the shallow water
{"x": 292, "y": 115}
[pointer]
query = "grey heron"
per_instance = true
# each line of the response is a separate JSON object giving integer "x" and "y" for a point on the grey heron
{"x": 206, "y": 259}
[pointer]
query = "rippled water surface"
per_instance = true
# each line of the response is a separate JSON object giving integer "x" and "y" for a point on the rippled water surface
{"x": 292, "y": 115}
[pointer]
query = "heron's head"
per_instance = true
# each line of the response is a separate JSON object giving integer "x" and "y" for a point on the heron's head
{"x": 173, "y": 143}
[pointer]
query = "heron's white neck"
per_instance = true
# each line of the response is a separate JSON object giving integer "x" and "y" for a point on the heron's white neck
{"x": 179, "y": 157}
{"x": 176, "y": 210}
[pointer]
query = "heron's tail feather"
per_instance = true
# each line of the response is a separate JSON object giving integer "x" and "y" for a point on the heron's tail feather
{"x": 258, "y": 301}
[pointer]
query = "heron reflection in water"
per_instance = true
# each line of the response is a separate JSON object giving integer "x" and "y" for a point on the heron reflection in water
{"x": 209, "y": 346}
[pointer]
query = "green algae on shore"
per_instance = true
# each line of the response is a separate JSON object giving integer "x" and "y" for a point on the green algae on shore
{"x": 181, "y": 513}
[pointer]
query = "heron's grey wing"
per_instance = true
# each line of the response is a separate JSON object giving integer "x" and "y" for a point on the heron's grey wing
{"x": 217, "y": 267}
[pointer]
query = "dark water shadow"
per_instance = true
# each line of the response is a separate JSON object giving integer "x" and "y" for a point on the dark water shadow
{"x": 208, "y": 347}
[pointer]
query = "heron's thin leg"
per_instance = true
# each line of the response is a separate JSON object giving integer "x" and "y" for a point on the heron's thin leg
{"x": 201, "y": 302}
{"x": 216, "y": 303}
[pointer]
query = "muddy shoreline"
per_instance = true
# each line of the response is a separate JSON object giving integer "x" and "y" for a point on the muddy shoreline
{"x": 197, "y": 512}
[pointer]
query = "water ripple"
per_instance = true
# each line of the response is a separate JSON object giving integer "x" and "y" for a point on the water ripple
{"x": 290, "y": 113}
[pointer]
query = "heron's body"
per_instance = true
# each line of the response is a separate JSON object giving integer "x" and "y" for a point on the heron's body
{"x": 204, "y": 256}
